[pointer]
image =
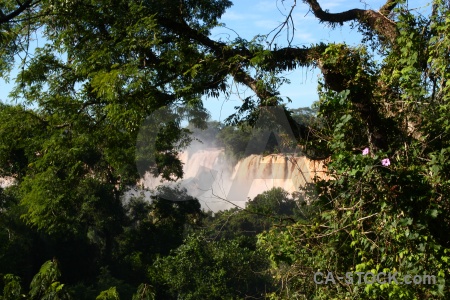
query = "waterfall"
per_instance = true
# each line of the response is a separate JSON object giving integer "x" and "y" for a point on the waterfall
{"x": 6, "y": 181}
{"x": 218, "y": 184}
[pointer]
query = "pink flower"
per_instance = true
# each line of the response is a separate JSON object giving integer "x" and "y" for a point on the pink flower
{"x": 366, "y": 151}
{"x": 386, "y": 162}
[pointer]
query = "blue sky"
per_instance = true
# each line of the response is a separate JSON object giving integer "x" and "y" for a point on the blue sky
{"x": 252, "y": 17}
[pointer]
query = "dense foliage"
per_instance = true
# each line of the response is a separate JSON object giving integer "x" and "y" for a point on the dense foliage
{"x": 178, "y": 250}
{"x": 70, "y": 229}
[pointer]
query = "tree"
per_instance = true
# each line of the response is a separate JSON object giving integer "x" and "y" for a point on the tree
{"x": 273, "y": 208}
{"x": 205, "y": 269}
{"x": 383, "y": 209}
{"x": 153, "y": 229}
{"x": 45, "y": 286}
{"x": 19, "y": 246}
{"x": 17, "y": 22}
{"x": 13, "y": 10}
{"x": 305, "y": 115}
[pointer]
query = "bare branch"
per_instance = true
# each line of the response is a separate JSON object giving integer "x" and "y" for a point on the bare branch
{"x": 288, "y": 20}
{"x": 375, "y": 20}
{"x": 290, "y": 58}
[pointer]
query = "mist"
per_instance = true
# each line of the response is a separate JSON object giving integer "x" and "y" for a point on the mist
{"x": 220, "y": 183}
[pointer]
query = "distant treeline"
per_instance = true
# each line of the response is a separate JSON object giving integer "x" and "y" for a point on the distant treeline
{"x": 242, "y": 140}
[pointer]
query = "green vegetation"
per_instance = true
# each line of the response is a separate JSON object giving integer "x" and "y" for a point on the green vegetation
{"x": 235, "y": 139}
{"x": 177, "y": 249}
{"x": 69, "y": 230}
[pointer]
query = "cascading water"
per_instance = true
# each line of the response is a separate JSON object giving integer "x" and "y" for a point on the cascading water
{"x": 209, "y": 177}
{"x": 6, "y": 181}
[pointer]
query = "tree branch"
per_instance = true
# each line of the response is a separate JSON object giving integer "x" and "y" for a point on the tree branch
{"x": 375, "y": 20}
{"x": 22, "y": 7}
{"x": 387, "y": 8}
{"x": 290, "y": 58}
